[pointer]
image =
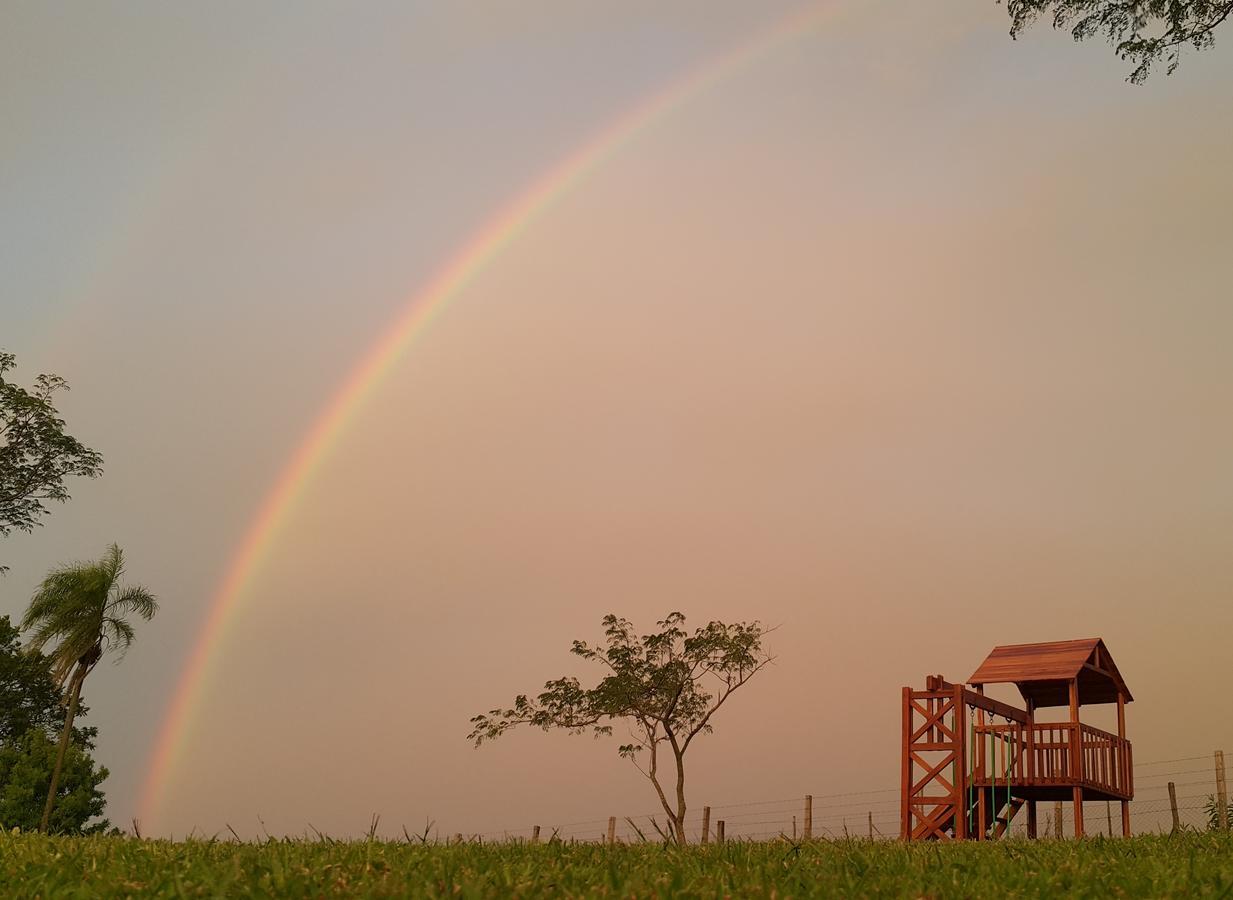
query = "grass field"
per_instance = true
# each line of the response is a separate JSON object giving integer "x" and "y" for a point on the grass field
{"x": 1186, "y": 865}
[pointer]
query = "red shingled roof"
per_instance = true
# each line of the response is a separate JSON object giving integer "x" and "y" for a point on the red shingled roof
{"x": 1043, "y": 672}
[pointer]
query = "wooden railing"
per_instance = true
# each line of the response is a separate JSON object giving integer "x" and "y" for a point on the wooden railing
{"x": 1045, "y": 754}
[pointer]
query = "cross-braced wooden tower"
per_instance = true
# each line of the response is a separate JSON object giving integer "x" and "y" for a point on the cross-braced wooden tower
{"x": 966, "y": 774}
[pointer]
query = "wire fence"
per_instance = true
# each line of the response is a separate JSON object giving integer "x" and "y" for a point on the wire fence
{"x": 875, "y": 814}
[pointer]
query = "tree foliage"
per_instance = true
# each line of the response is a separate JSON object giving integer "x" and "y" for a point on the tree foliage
{"x": 36, "y": 455}
{"x": 1211, "y": 808}
{"x": 83, "y": 609}
{"x": 26, "y": 766}
{"x": 29, "y": 697}
{"x": 665, "y": 686}
{"x": 31, "y": 712}
{"x": 1142, "y": 32}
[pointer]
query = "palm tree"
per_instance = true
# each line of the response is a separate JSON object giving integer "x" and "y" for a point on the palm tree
{"x": 82, "y": 609}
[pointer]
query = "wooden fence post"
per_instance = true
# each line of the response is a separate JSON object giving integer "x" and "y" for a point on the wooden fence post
{"x": 1057, "y": 820}
{"x": 1109, "y": 816}
{"x": 871, "y": 825}
{"x": 1222, "y": 794}
{"x": 719, "y": 831}
{"x": 1173, "y": 806}
{"x": 611, "y": 830}
{"x": 809, "y": 817}
{"x": 706, "y": 824}
{"x": 535, "y": 835}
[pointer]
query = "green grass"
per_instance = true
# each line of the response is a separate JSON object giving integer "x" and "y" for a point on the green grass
{"x": 1185, "y": 865}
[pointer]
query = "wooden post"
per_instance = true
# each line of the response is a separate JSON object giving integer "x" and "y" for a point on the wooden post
{"x": 1177, "y": 823}
{"x": 1222, "y": 794}
{"x": 1030, "y": 727}
{"x": 1076, "y": 756}
{"x": 809, "y": 817}
{"x": 719, "y": 831}
{"x": 1109, "y": 816}
{"x": 961, "y": 762}
{"x": 1057, "y": 820}
{"x": 871, "y": 825}
{"x": 905, "y": 798}
{"x": 1029, "y": 766}
{"x": 535, "y": 835}
{"x": 1128, "y": 778}
{"x": 981, "y": 816}
{"x": 612, "y": 830}
{"x": 706, "y": 824}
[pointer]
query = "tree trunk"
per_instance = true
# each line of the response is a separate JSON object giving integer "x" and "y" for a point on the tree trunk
{"x": 78, "y": 677}
{"x": 679, "y": 818}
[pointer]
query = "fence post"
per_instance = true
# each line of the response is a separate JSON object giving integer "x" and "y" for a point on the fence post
{"x": 1222, "y": 794}
{"x": 719, "y": 831}
{"x": 1173, "y": 806}
{"x": 706, "y": 824}
{"x": 535, "y": 835}
{"x": 871, "y": 825}
{"x": 809, "y": 817}
{"x": 1109, "y": 816}
{"x": 611, "y": 830}
{"x": 1057, "y": 820}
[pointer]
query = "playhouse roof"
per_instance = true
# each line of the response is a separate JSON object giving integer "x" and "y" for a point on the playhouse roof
{"x": 1043, "y": 672}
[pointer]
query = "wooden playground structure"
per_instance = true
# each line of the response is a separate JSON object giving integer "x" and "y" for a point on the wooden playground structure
{"x": 970, "y": 762}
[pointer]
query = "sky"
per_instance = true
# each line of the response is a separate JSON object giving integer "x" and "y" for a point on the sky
{"x": 897, "y": 334}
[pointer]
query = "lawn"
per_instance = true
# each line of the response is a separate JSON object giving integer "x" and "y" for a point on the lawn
{"x": 1185, "y": 865}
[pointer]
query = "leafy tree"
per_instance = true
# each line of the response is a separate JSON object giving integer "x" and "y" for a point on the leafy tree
{"x": 31, "y": 710}
{"x": 665, "y": 686}
{"x": 83, "y": 609}
{"x": 36, "y": 456}
{"x": 29, "y": 697}
{"x": 1141, "y": 31}
{"x": 26, "y": 770}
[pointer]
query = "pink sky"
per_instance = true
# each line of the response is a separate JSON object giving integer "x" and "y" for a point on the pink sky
{"x": 907, "y": 338}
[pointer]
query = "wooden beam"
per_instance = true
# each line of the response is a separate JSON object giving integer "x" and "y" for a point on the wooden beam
{"x": 978, "y": 699}
{"x": 1076, "y": 755}
{"x": 982, "y": 823}
{"x": 905, "y": 809}
{"x": 961, "y": 757}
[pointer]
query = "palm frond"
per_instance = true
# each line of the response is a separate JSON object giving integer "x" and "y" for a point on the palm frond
{"x": 118, "y": 634}
{"x": 135, "y": 599}
{"x": 82, "y": 610}
{"x": 112, "y": 564}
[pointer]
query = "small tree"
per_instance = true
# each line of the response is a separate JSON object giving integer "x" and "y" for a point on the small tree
{"x": 36, "y": 456}
{"x": 665, "y": 686}
{"x": 31, "y": 714}
{"x": 83, "y": 609}
{"x": 26, "y": 767}
{"x": 29, "y": 697}
{"x": 1141, "y": 31}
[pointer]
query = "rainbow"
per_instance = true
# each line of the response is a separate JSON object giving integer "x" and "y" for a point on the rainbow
{"x": 477, "y": 253}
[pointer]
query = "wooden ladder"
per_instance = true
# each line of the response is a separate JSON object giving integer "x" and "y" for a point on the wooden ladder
{"x": 1001, "y": 823}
